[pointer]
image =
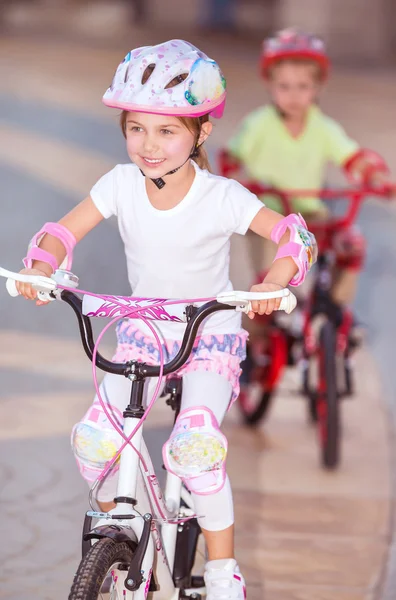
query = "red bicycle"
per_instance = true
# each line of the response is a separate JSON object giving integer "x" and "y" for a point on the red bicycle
{"x": 323, "y": 342}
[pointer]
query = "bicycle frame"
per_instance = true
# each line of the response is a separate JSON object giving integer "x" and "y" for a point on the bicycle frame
{"x": 137, "y": 483}
{"x": 319, "y": 301}
{"x": 140, "y": 482}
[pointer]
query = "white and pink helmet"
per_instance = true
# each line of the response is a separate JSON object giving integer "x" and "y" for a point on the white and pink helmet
{"x": 200, "y": 88}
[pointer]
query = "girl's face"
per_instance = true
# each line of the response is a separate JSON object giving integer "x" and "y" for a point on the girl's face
{"x": 294, "y": 88}
{"x": 157, "y": 144}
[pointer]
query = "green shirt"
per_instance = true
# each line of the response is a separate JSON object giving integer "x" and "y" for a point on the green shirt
{"x": 271, "y": 155}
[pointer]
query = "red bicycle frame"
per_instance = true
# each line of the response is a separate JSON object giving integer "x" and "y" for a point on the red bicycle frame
{"x": 324, "y": 232}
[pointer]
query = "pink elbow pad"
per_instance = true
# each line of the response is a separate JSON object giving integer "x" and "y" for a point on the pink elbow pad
{"x": 36, "y": 253}
{"x": 301, "y": 247}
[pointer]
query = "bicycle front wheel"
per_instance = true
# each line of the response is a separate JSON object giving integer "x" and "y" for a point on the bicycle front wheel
{"x": 328, "y": 404}
{"x": 102, "y": 572}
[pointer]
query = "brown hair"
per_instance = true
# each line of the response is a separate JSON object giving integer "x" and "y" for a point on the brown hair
{"x": 316, "y": 68}
{"x": 193, "y": 124}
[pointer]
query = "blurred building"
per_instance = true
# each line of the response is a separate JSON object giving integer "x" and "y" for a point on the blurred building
{"x": 358, "y": 32}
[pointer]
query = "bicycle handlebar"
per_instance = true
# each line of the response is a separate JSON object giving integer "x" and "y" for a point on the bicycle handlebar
{"x": 178, "y": 361}
{"x": 50, "y": 288}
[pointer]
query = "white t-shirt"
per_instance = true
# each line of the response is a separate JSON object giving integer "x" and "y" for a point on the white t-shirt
{"x": 182, "y": 252}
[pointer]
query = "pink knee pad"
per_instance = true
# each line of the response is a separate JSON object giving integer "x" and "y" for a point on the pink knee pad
{"x": 94, "y": 442}
{"x": 196, "y": 451}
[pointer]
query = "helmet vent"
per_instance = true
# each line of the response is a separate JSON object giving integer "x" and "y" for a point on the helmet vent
{"x": 176, "y": 80}
{"x": 148, "y": 72}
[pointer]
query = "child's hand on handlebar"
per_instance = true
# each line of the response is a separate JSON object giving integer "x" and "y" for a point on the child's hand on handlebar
{"x": 265, "y": 307}
{"x": 390, "y": 190}
{"x": 384, "y": 182}
{"x": 26, "y": 289}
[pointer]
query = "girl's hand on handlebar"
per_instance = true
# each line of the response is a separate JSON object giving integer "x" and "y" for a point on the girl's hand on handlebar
{"x": 26, "y": 289}
{"x": 265, "y": 307}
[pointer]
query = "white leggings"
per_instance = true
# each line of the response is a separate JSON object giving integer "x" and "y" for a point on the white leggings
{"x": 200, "y": 388}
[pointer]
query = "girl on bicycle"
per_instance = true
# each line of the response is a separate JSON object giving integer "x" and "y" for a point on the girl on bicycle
{"x": 162, "y": 200}
{"x": 287, "y": 145}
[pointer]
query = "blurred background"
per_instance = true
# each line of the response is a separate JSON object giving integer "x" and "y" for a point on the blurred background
{"x": 309, "y": 535}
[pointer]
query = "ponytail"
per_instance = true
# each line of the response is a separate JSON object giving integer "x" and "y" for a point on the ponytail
{"x": 201, "y": 158}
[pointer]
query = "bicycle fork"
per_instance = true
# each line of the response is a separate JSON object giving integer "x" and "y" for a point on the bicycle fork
{"x": 124, "y": 523}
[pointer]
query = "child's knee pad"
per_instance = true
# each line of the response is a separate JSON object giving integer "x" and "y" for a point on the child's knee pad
{"x": 196, "y": 451}
{"x": 94, "y": 445}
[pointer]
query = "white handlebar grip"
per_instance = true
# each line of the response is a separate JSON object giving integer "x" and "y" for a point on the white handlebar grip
{"x": 11, "y": 287}
{"x": 288, "y": 303}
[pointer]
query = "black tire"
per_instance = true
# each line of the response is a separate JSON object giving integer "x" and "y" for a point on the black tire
{"x": 310, "y": 394}
{"x": 328, "y": 404}
{"x": 312, "y": 408}
{"x": 255, "y": 407}
{"x": 348, "y": 378}
{"x": 258, "y": 411}
{"x": 95, "y": 565}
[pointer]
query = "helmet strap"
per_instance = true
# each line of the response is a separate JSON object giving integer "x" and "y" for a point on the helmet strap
{"x": 159, "y": 181}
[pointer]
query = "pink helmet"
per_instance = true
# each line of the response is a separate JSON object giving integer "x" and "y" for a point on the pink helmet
{"x": 200, "y": 89}
{"x": 290, "y": 43}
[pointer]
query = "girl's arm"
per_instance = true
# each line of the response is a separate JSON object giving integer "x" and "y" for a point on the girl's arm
{"x": 282, "y": 270}
{"x": 79, "y": 221}
{"x": 285, "y": 268}
{"x": 362, "y": 166}
{"x": 368, "y": 168}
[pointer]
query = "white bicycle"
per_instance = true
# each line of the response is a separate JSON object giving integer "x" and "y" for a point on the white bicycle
{"x": 148, "y": 545}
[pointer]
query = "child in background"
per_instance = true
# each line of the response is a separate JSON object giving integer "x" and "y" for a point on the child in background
{"x": 287, "y": 145}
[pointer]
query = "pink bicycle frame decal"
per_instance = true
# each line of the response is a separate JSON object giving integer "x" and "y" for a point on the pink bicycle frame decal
{"x": 154, "y": 490}
{"x": 146, "y": 589}
{"x": 121, "y": 306}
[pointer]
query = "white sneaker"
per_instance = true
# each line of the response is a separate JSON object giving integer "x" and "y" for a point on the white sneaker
{"x": 224, "y": 581}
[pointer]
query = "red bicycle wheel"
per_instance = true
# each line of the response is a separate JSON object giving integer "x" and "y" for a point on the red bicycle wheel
{"x": 263, "y": 374}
